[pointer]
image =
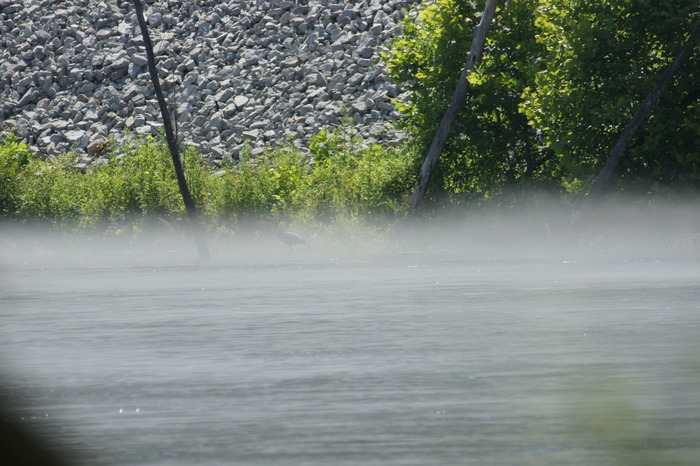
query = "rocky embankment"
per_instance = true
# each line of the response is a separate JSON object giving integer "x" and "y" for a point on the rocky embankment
{"x": 73, "y": 74}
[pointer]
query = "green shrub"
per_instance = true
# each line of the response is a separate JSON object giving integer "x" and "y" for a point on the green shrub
{"x": 51, "y": 190}
{"x": 352, "y": 178}
{"x": 138, "y": 182}
{"x": 14, "y": 157}
{"x": 262, "y": 187}
{"x": 145, "y": 180}
{"x": 341, "y": 177}
{"x": 360, "y": 180}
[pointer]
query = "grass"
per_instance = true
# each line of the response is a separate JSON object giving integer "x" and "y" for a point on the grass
{"x": 341, "y": 178}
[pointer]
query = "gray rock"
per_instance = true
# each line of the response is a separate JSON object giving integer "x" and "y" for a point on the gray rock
{"x": 144, "y": 130}
{"x": 316, "y": 79}
{"x": 365, "y": 52}
{"x": 215, "y": 121}
{"x": 104, "y": 34}
{"x": 251, "y": 135}
{"x": 291, "y": 62}
{"x": 359, "y": 107}
{"x": 161, "y": 48}
{"x": 139, "y": 60}
{"x": 25, "y": 81}
{"x": 77, "y": 137}
{"x": 225, "y": 94}
{"x": 241, "y": 101}
{"x": 117, "y": 61}
{"x": 31, "y": 96}
{"x": 155, "y": 20}
{"x": 266, "y": 69}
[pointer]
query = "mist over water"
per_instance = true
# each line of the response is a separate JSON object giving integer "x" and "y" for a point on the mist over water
{"x": 479, "y": 339}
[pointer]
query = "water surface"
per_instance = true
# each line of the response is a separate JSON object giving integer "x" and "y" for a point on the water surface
{"x": 400, "y": 358}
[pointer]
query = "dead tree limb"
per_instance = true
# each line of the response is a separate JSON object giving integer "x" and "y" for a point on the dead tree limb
{"x": 602, "y": 181}
{"x": 171, "y": 138}
{"x": 448, "y": 119}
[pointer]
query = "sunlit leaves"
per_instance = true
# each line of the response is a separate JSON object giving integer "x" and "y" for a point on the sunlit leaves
{"x": 559, "y": 81}
{"x": 492, "y": 144}
{"x": 602, "y": 60}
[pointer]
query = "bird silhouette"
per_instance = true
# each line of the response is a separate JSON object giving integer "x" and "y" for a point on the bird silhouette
{"x": 290, "y": 239}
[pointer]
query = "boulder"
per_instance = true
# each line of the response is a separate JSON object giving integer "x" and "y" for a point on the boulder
{"x": 271, "y": 69}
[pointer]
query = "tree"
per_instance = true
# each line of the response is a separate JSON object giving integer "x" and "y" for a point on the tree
{"x": 603, "y": 178}
{"x": 558, "y": 82}
{"x": 448, "y": 119}
{"x": 600, "y": 185}
{"x": 492, "y": 146}
{"x": 602, "y": 59}
{"x": 170, "y": 137}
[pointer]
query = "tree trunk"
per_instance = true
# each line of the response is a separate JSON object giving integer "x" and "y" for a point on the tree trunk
{"x": 450, "y": 115}
{"x": 170, "y": 137}
{"x": 602, "y": 181}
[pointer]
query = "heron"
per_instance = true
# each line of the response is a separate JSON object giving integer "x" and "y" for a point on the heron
{"x": 290, "y": 239}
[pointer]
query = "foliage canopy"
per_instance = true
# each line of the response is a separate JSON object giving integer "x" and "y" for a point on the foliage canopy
{"x": 558, "y": 81}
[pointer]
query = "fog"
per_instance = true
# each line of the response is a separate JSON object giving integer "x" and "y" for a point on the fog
{"x": 541, "y": 231}
{"x": 481, "y": 337}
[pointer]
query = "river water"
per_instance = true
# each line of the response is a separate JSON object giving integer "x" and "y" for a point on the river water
{"x": 431, "y": 357}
